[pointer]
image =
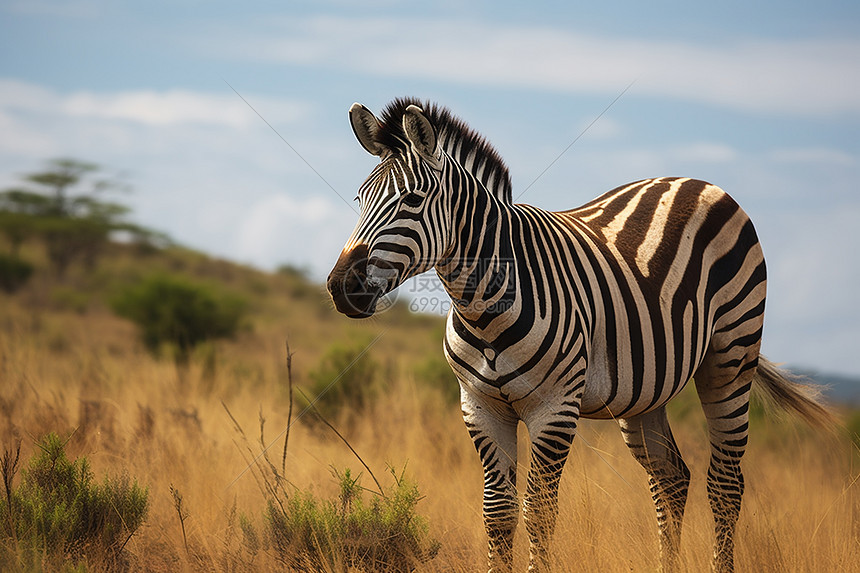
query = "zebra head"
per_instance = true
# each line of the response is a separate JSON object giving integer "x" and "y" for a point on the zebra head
{"x": 400, "y": 231}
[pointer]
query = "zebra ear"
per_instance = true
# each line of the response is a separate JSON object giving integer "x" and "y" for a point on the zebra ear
{"x": 366, "y": 127}
{"x": 420, "y": 133}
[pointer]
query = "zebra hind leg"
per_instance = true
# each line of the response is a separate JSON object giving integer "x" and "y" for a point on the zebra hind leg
{"x": 651, "y": 442}
{"x": 724, "y": 382}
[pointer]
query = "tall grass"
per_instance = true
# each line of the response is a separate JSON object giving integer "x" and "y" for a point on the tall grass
{"x": 65, "y": 370}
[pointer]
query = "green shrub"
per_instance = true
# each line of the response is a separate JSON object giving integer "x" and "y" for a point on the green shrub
{"x": 14, "y": 273}
{"x": 68, "y": 298}
{"x": 346, "y": 378}
{"x": 384, "y": 534}
{"x": 299, "y": 284}
{"x": 178, "y": 312}
{"x": 435, "y": 372}
{"x": 58, "y": 516}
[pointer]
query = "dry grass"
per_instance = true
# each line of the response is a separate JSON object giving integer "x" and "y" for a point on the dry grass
{"x": 64, "y": 370}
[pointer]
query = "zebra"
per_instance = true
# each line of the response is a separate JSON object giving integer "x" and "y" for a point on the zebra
{"x": 605, "y": 311}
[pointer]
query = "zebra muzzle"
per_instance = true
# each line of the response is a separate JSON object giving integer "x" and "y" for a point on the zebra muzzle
{"x": 354, "y": 291}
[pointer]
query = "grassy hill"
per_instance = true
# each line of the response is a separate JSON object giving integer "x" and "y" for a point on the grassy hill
{"x": 282, "y": 305}
{"x": 69, "y": 365}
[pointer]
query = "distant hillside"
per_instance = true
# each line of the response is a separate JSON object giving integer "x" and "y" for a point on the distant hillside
{"x": 840, "y": 389}
{"x": 281, "y": 305}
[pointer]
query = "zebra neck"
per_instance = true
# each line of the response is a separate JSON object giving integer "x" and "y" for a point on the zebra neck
{"x": 480, "y": 273}
{"x": 471, "y": 160}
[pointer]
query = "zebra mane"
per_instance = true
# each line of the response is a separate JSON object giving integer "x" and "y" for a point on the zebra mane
{"x": 458, "y": 139}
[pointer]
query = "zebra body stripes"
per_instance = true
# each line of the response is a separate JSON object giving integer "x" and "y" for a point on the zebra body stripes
{"x": 604, "y": 311}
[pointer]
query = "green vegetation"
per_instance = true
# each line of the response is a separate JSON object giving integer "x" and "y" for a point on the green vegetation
{"x": 179, "y": 313}
{"x": 14, "y": 273}
{"x": 384, "y": 534}
{"x": 346, "y": 379}
{"x": 59, "y": 519}
{"x": 435, "y": 373}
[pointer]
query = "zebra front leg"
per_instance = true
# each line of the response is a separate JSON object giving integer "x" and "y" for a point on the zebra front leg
{"x": 551, "y": 438}
{"x": 494, "y": 433}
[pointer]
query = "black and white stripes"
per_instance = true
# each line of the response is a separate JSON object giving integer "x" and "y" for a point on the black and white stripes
{"x": 604, "y": 311}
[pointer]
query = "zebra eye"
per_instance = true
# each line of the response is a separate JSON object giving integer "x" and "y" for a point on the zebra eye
{"x": 412, "y": 199}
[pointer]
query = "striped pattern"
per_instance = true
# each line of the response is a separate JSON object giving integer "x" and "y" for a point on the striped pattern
{"x": 615, "y": 306}
{"x": 604, "y": 311}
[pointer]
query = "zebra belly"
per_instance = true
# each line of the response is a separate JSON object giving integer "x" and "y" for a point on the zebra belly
{"x": 616, "y": 388}
{"x": 597, "y": 404}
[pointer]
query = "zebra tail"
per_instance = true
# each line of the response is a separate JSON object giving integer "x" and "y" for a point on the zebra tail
{"x": 793, "y": 393}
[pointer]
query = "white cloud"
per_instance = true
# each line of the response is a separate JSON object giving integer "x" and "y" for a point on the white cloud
{"x": 179, "y": 106}
{"x": 305, "y": 231}
{"x": 809, "y": 77}
{"x": 150, "y": 107}
{"x": 25, "y": 96}
{"x": 20, "y": 139}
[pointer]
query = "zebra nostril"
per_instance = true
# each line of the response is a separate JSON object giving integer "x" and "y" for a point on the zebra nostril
{"x": 347, "y": 284}
{"x": 355, "y": 279}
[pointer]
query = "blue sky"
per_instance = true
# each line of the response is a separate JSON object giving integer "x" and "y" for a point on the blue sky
{"x": 761, "y": 98}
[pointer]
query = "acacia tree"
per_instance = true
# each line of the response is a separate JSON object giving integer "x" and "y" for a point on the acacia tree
{"x": 61, "y": 207}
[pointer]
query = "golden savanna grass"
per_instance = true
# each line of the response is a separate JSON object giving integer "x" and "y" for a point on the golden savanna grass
{"x": 80, "y": 369}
